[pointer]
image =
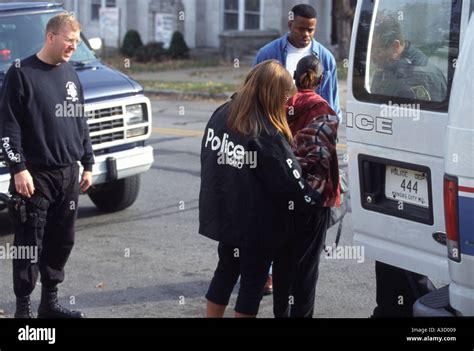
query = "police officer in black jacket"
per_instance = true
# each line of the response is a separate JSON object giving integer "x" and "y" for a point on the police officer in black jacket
{"x": 251, "y": 186}
{"x": 42, "y": 143}
{"x": 404, "y": 71}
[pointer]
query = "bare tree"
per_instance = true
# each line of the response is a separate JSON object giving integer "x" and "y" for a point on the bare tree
{"x": 343, "y": 15}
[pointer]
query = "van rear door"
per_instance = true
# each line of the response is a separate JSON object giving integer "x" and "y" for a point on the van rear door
{"x": 396, "y": 134}
{"x": 459, "y": 181}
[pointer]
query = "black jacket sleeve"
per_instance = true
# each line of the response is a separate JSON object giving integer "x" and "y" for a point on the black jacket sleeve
{"x": 281, "y": 174}
{"x": 11, "y": 117}
{"x": 87, "y": 159}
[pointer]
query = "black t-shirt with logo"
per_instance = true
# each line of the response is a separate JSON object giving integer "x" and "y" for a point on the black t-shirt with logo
{"x": 42, "y": 121}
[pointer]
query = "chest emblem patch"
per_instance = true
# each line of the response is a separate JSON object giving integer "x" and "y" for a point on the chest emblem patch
{"x": 71, "y": 90}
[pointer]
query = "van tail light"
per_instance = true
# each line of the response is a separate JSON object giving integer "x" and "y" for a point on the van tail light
{"x": 451, "y": 216}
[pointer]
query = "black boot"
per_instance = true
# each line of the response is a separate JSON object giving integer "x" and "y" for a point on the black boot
{"x": 50, "y": 308}
{"x": 23, "y": 308}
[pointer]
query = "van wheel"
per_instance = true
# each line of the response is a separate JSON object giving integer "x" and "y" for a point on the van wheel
{"x": 117, "y": 195}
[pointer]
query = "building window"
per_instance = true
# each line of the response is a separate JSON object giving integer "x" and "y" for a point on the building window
{"x": 95, "y": 7}
{"x": 242, "y": 14}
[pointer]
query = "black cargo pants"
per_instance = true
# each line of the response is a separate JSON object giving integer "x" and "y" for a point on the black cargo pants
{"x": 46, "y": 222}
{"x": 296, "y": 266}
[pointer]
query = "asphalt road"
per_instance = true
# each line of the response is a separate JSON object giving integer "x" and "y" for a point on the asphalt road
{"x": 149, "y": 260}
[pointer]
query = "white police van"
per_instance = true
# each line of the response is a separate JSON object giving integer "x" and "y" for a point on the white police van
{"x": 411, "y": 159}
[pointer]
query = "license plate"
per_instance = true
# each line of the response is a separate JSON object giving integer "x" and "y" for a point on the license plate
{"x": 406, "y": 185}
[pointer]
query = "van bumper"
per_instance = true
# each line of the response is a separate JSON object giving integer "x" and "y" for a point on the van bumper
{"x": 434, "y": 304}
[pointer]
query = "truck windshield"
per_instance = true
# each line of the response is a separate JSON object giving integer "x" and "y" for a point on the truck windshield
{"x": 23, "y": 35}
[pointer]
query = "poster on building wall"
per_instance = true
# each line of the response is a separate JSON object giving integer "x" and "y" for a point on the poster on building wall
{"x": 164, "y": 28}
{"x": 110, "y": 26}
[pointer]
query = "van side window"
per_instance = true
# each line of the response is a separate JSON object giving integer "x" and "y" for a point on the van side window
{"x": 406, "y": 52}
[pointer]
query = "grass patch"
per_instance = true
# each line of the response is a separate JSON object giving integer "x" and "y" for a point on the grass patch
{"x": 127, "y": 67}
{"x": 190, "y": 87}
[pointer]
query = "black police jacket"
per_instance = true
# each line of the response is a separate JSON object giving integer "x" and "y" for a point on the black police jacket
{"x": 251, "y": 186}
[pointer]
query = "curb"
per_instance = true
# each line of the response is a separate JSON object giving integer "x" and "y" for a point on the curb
{"x": 182, "y": 95}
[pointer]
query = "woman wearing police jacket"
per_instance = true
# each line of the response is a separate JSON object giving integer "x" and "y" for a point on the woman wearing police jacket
{"x": 251, "y": 187}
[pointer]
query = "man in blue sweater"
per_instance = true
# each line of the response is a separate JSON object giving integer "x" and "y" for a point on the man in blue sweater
{"x": 298, "y": 43}
{"x": 42, "y": 143}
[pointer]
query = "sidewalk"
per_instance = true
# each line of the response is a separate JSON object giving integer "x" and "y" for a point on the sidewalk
{"x": 219, "y": 74}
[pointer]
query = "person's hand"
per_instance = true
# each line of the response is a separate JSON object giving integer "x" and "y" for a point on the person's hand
{"x": 321, "y": 187}
{"x": 86, "y": 181}
{"x": 317, "y": 184}
{"x": 24, "y": 184}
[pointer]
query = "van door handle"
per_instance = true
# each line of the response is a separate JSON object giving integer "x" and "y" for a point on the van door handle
{"x": 440, "y": 238}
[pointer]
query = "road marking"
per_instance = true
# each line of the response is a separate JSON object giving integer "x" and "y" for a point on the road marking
{"x": 200, "y": 134}
{"x": 178, "y": 132}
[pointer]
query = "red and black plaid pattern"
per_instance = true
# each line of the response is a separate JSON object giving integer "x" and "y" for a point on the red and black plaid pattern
{"x": 315, "y": 148}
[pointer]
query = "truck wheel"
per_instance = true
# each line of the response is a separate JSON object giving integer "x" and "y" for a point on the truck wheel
{"x": 117, "y": 195}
